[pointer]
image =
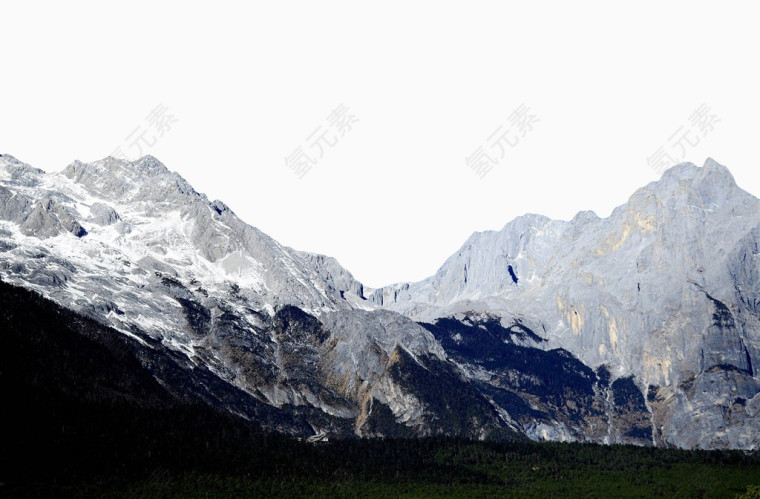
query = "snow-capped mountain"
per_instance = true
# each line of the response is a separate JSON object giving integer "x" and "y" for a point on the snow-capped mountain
{"x": 642, "y": 327}
{"x": 133, "y": 246}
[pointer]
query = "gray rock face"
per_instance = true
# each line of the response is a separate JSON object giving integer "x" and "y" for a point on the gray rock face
{"x": 14, "y": 208}
{"x": 665, "y": 289}
{"x": 42, "y": 219}
{"x": 49, "y": 219}
{"x": 16, "y": 172}
{"x": 103, "y": 214}
{"x": 640, "y": 328}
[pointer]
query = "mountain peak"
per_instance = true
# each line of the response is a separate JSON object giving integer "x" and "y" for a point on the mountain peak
{"x": 524, "y": 222}
{"x": 118, "y": 179}
{"x": 147, "y": 165}
{"x": 686, "y": 185}
{"x": 716, "y": 172}
{"x": 18, "y": 171}
{"x": 584, "y": 217}
{"x": 151, "y": 166}
{"x": 688, "y": 171}
{"x": 9, "y": 159}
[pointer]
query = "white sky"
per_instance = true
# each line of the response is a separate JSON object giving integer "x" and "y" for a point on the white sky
{"x": 429, "y": 83}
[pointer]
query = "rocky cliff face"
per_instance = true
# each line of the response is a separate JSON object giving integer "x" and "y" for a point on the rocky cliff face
{"x": 641, "y": 328}
{"x": 664, "y": 290}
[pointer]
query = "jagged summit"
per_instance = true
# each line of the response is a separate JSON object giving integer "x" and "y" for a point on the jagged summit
{"x": 689, "y": 171}
{"x": 142, "y": 213}
{"x": 9, "y": 158}
{"x": 687, "y": 199}
{"x": 13, "y": 170}
{"x": 147, "y": 165}
{"x": 145, "y": 179}
{"x": 710, "y": 165}
{"x": 710, "y": 183}
{"x": 583, "y": 217}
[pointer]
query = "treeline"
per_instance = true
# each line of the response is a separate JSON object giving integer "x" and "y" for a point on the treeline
{"x": 191, "y": 449}
{"x": 83, "y": 417}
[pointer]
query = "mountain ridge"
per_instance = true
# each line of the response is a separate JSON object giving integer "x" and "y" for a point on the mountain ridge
{"x": 659, "y": 298}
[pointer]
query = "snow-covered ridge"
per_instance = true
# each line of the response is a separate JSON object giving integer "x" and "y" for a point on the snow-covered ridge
{"x": 117, "y": 224}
